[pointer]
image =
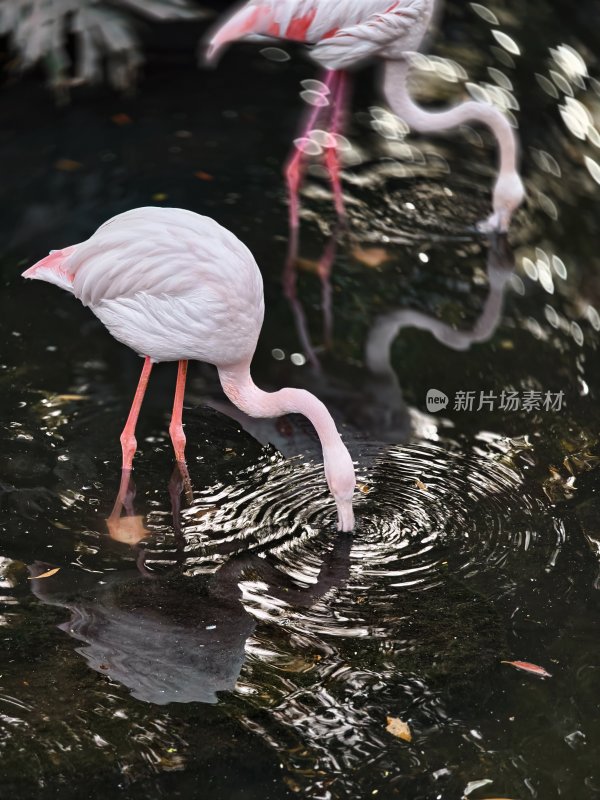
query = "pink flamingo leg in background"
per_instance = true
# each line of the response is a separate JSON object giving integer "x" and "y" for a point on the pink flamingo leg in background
{"x": 325, "y": 269}
{"x": 332, "y": 161}
{"x": 176, "y": 427}
{"x": 294, "y": 166}
{"x": 128, "y": 440}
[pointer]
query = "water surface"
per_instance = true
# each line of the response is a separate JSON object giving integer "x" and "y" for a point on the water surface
{"x": 233, "y": 644}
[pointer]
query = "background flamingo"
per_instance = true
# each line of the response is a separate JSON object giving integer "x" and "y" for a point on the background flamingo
{"x": 175, "y": 286}
{"x": 343, "y": 33}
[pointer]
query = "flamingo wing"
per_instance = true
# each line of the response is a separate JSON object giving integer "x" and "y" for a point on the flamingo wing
{"x": 296, "y": 20}
{"x": 161, "y": 252}
{"x": 388, "y": 34}
{"x": 171, "y": 285}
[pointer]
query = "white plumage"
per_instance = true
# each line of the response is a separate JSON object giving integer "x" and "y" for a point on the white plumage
{"x": 161, "y": 281}
{"x": 342, "y": 33}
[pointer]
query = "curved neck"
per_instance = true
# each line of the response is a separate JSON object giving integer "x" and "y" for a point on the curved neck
{"x": 239, "y": 387}
{"x": 395, "y": 86}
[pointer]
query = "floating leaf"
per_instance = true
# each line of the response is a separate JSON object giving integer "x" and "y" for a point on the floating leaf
{"x": 308, "y": 265}
{"x": 371, "y": 257}
{"x": 129, "y": 530}
{"x": 44, "y": 574}
{"x": 526, "y": 666}
{"x": 204, "y": 176}
{"x": 398, "y": 729}
{"x": 67, "y": 165}
{"x": 474, "y": 785}
{"x": 422, "y": 486}
{"x": 68, "y": 398}
{"x": 121, "y": 119}
{"x": 159, "y": 197}
{"x": 363, "y": 488}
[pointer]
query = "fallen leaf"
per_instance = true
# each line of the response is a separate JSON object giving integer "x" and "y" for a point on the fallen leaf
{"x": 398, "y": 729}
{"x": 363, "y": 488}
{"x": 204, "y": 176}
{"x": 128, "y": 530}
{"x": 372, "y": 257}
{"x": 121, "y": 119}
{"x": 422, "y": 486}
{"x": 308, "y": 265}
{"x": 159, "y": 197}
{"x": 474, "y": 785}
{"x": 67, "y": 165}
{"x": 526, "y": 666}
{"x": 44, "y": 574}
{"x": 68, "y": 398}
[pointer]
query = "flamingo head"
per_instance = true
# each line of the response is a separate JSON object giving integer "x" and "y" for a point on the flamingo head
{"x": 339, "y": 472}
{"x": 509, "y": 193}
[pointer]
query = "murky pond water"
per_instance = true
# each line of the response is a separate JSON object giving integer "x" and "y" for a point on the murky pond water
{"x": 233, "y": 644}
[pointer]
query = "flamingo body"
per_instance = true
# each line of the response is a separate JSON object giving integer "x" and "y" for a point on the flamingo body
{"x": 170, "y": 284}
{"x": 176, "y": 286}
{"x": 342, "y": 33}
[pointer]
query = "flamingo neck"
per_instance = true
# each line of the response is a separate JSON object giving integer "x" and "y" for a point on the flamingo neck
{"x": 395, "y": 86}
{"x": 239, "y": 387}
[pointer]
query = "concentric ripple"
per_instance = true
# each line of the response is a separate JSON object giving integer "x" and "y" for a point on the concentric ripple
{"x": 426, "y": 511}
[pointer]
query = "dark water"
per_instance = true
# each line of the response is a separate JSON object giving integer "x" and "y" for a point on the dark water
{"x": 234, "y": 645}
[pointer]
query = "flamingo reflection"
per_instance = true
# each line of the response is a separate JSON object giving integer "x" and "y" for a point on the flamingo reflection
{"x": 176, "y": 638}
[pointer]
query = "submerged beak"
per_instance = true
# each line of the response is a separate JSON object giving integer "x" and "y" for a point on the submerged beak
{"x": 345, "y": 516}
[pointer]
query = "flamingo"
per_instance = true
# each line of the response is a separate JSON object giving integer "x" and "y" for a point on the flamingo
{"x": 176, "y": 286}
{"x": 343, "y": 34}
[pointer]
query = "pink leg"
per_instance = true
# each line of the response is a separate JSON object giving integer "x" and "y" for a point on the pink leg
{"x": 293, "y": 168}
{"x": 176, "y": 430}
{"x": 176, "y": 426}
{"x": 332, "y": 161}
{"x": 325, "y": 267}
{"x": 128, "y": 441}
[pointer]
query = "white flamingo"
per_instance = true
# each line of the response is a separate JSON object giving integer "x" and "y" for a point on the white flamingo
{"x": 343, "y": 33}
{"x": 175, "y": 286}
